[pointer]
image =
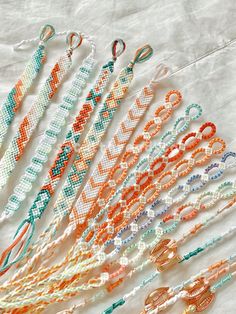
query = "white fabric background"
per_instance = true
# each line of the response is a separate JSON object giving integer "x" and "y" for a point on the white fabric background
{"x": 196, "y": 39}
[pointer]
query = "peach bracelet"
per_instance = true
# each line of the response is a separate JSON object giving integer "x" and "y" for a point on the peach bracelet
{"x": 100, "y": 280}
{"x": 164, "y": 254}
{"x": 181, "y": 124}
{"x": 166, "y": 263}
{"x": 197, "y": 292}
{"x": 123, "y": 209}
{"x": 129, "y": 158}
{"x": 178, "y": 128}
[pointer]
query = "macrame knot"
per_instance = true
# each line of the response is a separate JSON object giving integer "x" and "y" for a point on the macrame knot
{"x": 162, "y": 71}
{"x": 73, "y": 40}
{"x": 118, "y": 47}
{"x": 47, "y": 33}
{"x": 142, "y": 54}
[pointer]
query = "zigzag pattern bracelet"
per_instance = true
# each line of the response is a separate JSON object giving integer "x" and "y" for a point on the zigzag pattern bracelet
{"x": 18, "y": 92}
{"x": 68, "y": 147}
{"x": 16, "y": 148}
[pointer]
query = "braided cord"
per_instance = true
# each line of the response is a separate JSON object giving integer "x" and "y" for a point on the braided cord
{"x": 31, "y": 120}
{"x": 18, "y": 92}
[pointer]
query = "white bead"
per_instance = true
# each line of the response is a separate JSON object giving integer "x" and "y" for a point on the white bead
{"x": 143, "y": 200}
{"x": 112, "y": 183}
{"x": 124, "y": 165}
{"x": 101, "y": 202}
{"x": 150, "y": 213}
{"x": 124, "y": 261}
{"x": 141, "y": 246}
{"x": 199, "y": 135}
{"x": 209, "y": 151}
{"x": 157, "y": 120}
{"x": 205, "y": 177}
{"x": 168, "y": 105}
{"x": 191, "y": 162}
{"x": 104, "y": 276}
{"x": 146, "y": 136}
{"x": 134, "y": 227}
{"x": 159, "y": 231}
{"x": 117, "y": 241}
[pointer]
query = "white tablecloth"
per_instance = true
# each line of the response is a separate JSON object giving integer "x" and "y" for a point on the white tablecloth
{"x": 196, "y": 39}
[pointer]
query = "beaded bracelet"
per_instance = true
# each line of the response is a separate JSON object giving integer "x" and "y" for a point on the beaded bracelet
{"x": 16, "y": 148}
{"x": 182, "y": 123}
{"x": 122, "y": 210}
{"x": 116, "y": 146}
{"x": 67, "y": 148}
{"x": 101, "y": 259}
{"x": 195, "y": 291}
{"x": 169, "y": 249}
{"x": 99, "y": 254}
{"x": 107, "y": 160}
{"x": 165, "y": 255}
{"x": 113, "y": 174}
{"x": 176, "y": 130}
{"x": 15, "y": 97}
{"x": 106, "y": 165}
{"x": 149, "y": 215}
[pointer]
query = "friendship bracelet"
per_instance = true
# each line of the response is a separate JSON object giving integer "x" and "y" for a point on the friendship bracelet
{"x": 111, "y": 177}
{"x": 68, "y": 147}
{"x": 208, "y": 153}
{"x": 176, "y": 131}
{"x": 51, "y": 133}
{"x": 30, "y": 73}
{"x": 42, "y": 151}
{"x": 107, "y": 162}
{"x": 214, "y": 241}
{"x": 16, "y": 148}
{"x": 121, "y": 209}
{"x": 165, "y": 255}
{"x": 167, "y": 140}
{"x": 148, "y": 216}
{"x": 153, "y": 212}
{"x": 90, "y": 145}
{"x": 101, "y": 258}
{"x": 72, "y": 138}
{"x": 215, "y": 196}
{"x": 116, "y": 146}
{"x": 96, "y": 132}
